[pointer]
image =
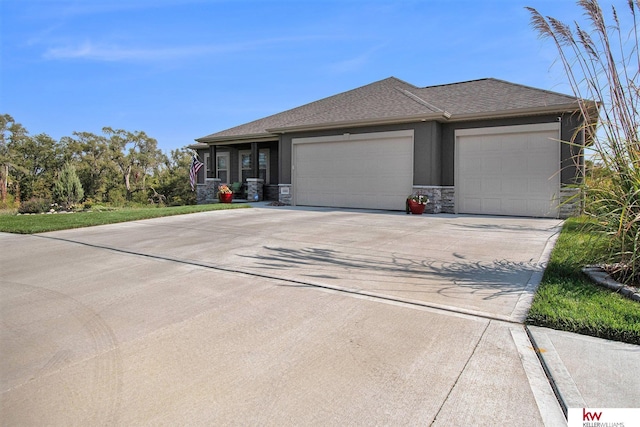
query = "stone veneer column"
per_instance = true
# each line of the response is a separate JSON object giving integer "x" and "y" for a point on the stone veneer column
{"x": 255, "y": 188}
{"x": 571, "y": 202}
{"x": 441, "y": 199}
{"x": 207, "y": 192}
{"x": 448, "y": 200}
{"x": 285, "y": 193}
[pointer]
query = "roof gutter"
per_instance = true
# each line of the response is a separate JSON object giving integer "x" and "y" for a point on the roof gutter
{"x": 272, "y": 134}
{"x": 257, "y": 137}
{"x": 198, "y": 146}
{"x": 360, "y": 123}
{"x": 560, "y": 108}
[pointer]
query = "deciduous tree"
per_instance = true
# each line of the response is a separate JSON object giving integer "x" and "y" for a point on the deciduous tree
{"x": 135, "y": 154}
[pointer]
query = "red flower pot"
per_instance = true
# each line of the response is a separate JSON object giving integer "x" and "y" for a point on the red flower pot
{"x": 225, "y": 197}
{"x": 416, "y": 208}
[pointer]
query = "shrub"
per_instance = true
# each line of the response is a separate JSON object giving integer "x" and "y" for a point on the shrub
{"x": 9, "y": 203}
{"x": 68, "y": 189}
{"x": 34, "y": 205}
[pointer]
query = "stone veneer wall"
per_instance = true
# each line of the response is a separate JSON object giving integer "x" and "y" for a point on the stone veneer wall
{"x": 255, "y": 188}
{"x": 441, "y": 199}
{"x": 571, "y": 202}
{"x": 207, "y": 192}
{"x": 285, "y": 194}
{"x": 448, "y": 200}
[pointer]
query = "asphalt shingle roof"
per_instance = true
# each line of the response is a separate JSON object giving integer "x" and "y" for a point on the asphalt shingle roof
{"x": 392, "y": 99}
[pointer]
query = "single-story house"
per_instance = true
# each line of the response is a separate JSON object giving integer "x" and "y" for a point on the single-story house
{"x": 479, "y": 147}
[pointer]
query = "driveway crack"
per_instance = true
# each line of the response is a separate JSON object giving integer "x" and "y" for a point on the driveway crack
{"x": 464, "y": 368}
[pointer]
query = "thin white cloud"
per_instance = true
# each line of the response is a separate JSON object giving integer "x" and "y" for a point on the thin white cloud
{"x": 115, "y": 53}
{"x": 75, "y": 8}
{"x": 91, "y": 51}
{"x": 355, "y": 63}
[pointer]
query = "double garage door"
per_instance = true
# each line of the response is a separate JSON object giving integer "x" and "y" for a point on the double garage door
{"x": 371, "y": 170}
{"x": 508, "y": 170}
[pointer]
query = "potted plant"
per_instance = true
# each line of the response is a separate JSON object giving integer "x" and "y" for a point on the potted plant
{"x": 225, "y": 194}
{"x": 416, "y": 203}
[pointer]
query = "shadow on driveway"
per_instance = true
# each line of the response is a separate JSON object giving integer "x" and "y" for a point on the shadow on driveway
{"x": 492, "y": 280}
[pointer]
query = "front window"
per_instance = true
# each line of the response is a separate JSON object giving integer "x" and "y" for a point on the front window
{"x": 207, "y": 166}
{"x": 245, "y": 165}
{"x": 263, "y": 165}
{"x": 222, "y": 167}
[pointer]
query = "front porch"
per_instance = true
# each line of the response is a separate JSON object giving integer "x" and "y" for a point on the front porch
{"x": 250, "y": 169}
{"x": 254, "y": 190}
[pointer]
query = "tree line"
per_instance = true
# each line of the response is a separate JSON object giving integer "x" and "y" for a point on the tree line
{"x": 117, "y": 167}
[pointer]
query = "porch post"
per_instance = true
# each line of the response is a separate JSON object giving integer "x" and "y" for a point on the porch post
{"x": 255, "y": 162}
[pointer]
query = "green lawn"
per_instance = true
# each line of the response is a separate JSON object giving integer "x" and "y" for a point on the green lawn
{"x": 40, "y": 223}
{"x": 567, "y": 300}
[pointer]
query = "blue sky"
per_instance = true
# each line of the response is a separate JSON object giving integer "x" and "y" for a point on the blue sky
{"x": 182, "y": 69}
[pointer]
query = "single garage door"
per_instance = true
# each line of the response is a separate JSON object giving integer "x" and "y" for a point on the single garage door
{"x": 371, "y": 171}
{"x": 509, "y": 170}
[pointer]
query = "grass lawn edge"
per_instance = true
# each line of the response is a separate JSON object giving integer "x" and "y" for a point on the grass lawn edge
{"x": 568, "y": 300}
{"x": 42, "y": 223}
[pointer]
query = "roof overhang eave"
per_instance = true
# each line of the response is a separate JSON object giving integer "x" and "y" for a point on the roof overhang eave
{"x": 197, "y": 146}
{"x": 221, "y": 140}
{"x": 547, "y": 109}
{"x": 359, "y": 123}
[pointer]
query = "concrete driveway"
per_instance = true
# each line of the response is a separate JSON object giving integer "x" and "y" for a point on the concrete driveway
{"x": 275, "y": 316}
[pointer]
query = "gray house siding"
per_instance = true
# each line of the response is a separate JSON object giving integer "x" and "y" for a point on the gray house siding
{"x": 434, "y": 156}
{"x": 434, "y": 143}
{"x": 434, "y": 114}
{"x": 572, "y": 155}
{"x": 427, "y": 168}
{"x": 426, "y": 148}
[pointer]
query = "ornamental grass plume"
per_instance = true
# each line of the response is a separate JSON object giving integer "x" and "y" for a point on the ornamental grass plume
{"x": 602, "y": 64}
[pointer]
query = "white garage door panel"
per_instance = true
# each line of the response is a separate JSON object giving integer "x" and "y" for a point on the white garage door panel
{"x": 353, "y": 171}
{"x": 508, "y": 171}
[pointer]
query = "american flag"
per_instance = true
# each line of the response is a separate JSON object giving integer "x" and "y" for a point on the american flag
{"x": 193, "y": 171}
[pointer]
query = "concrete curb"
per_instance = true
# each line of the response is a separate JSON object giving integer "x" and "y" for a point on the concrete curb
{"x": 521, "y": 310}
{"x": 600, "y": 277}
{"x": 563, "y": 385}
{"x": 552, "y": 411}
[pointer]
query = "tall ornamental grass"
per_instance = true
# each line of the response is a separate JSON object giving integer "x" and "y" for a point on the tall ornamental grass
{"x": 602, "y": 64}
